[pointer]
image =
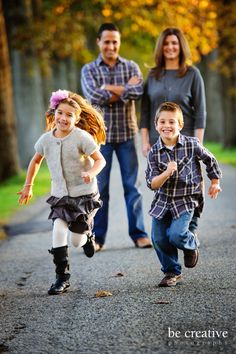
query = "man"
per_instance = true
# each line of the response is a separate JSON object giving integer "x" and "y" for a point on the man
{"x": 113, "y": 83}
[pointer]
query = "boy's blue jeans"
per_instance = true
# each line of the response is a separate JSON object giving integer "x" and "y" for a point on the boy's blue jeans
{"x": 128, "y": 161}
{"x": 169, "y": 235}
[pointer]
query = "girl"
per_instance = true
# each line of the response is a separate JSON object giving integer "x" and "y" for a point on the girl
{"x": 73, "y": 158}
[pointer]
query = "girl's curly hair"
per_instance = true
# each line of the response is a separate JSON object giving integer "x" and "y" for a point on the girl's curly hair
{"x": 89, "y": 118}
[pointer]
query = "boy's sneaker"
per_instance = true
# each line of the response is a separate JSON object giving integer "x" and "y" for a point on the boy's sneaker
{"x": 191, "y": 258}
{"x": 170, "y": 279}
{"x": 89, "y": 247}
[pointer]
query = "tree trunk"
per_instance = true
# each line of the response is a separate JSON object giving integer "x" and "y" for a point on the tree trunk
{"x": 214, "y": 104}
{"x": 227, "y": 66}
{"x": 27, "y": 81}
{"x": 8, "y": 144}
{"x": 229, "y": 104}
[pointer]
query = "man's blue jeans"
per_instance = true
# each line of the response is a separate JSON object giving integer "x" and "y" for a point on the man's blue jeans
{"x": 169, "y": 235}
{"x": 128, "y": 161}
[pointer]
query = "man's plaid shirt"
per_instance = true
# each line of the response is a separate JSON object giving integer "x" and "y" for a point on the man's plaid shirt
{"x": 183, "y": 190}
{"x": 120, "y": 117}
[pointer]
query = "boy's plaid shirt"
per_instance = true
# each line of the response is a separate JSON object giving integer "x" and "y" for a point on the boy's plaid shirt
{"x": 183, "y": 190}
{"x": 120, "y": 117}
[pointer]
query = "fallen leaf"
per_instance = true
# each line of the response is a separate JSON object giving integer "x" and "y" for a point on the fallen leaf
{"x": 103, "y": 293}
{"x": 119, "y": 274}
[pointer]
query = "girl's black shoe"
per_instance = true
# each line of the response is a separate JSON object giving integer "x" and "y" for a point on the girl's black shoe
{"x": 89, "y": 247}
{"x": 60, "y": 286}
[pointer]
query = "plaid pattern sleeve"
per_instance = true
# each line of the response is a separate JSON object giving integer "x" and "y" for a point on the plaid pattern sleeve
{"x": 183, "y": 190}
{"x": 120, "y": 117}
{"x": 91, "y": 84}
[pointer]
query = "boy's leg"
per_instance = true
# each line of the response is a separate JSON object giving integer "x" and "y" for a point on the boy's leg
{"x": 166, "y": 252}
{"x": 182, "y": 238}
{"x": 179, "y": 234}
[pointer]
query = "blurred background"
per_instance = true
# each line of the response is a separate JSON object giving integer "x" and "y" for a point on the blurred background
{"x": 44, "y": 43}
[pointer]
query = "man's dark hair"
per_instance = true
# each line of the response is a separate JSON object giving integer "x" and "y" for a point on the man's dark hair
{"x": 107, "y": 27}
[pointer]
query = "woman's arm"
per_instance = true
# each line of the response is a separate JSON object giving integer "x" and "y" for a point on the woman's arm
{"x": 199, "y": 104}
{"x": 199, "y": 133}
{"x": 27, "y": 192}
{"x": 146, "y": 146}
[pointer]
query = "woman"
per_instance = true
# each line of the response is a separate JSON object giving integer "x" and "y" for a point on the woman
{"x": 173, "y": 79}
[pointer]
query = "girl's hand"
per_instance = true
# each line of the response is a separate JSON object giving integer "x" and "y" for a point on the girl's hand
{"x": 86, "y": 177}
{"x": 171, "y": 167}
{"x": 213, "y": 190}
{"x": 25, "y": 194}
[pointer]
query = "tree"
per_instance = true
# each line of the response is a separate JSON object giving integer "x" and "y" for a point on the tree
{"x": 8, "y": 145}
{"x": 226, "y": 64}
{"x": 60, "y": 31}
{"x": 67, "y": 28}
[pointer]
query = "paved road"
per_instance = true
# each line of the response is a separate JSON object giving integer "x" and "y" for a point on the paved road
{"x": 195, "y": 317}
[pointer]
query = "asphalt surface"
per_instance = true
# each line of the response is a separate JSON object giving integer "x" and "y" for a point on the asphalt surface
{"x": 197, "y": 316}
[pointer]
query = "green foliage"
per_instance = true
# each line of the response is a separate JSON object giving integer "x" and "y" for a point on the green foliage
{"x": 9, "y": 199}
{"x": 8, "y": 192}
{"x": 227, "y": 156}
{"x": 67, "y": 28}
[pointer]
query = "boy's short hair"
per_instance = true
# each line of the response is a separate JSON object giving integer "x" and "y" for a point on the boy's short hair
{"x": 107, "y": 27}
{"x": 170, "y": 107}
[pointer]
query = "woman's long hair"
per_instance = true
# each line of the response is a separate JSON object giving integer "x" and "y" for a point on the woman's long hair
{"x": 159, "y": 58}
{"x": 89, "y": 118}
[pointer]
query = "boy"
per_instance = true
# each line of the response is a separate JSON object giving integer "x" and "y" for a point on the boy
{"x": 174, "y": 172}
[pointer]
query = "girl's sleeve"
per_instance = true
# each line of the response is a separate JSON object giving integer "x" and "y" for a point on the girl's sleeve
{"x": 39, "y": 146}
{"x": 88, "y": 145}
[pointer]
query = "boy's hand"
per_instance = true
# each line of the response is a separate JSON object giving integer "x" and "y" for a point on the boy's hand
{"x": 25, "y": 195}
{"x": 171, "y": 167}
{"x": 213, "y": 190}
{"x": 86, "y": 177}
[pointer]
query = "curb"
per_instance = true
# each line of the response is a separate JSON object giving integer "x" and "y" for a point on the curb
{"x": 24, "y": 215}
{"x": 3, "y": 234}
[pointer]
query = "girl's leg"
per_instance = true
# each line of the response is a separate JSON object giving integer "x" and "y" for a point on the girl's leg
{"x": 84, "y": 237}
{"x": 166, "y": 252}
{"x": 59, "y": 233}
{"x": 60, "y": 258}
{"x": 78, "y": 240}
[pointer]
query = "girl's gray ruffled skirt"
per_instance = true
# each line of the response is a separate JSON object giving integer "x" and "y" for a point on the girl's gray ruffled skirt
{"x": 76, "y": 211}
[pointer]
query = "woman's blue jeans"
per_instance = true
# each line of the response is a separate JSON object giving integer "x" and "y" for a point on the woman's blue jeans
{"x": 169, "y": 235}
{"x": 128, "y": 161}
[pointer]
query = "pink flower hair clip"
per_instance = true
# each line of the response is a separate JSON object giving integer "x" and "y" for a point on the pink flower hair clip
{"x": 57, "y": 97}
